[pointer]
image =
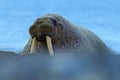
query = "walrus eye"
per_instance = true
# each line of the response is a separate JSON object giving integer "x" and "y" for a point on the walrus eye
{"x": 54, "y": 21}
{"x": 38, "y": 22}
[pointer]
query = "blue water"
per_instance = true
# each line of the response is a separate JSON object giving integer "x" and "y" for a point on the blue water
{"x": 100, "y": 16}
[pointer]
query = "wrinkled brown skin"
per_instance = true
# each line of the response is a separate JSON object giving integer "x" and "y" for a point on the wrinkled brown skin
{"x": 66, "y": 38}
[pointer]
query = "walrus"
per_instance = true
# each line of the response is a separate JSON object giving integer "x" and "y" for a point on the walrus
{"x": 52, "y": 34}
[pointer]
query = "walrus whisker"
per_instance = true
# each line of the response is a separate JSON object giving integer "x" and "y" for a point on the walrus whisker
{"x": 49, "y": 45}
{"x": 33, "y": 46}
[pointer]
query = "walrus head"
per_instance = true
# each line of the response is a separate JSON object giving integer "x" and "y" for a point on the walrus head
{"x": 42, "y": 30}
{"x": 51, "y": 31}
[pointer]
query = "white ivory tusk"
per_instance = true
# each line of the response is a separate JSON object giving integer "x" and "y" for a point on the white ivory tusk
{"x": 49, "y": 45}
{"x": 33, "y": 46}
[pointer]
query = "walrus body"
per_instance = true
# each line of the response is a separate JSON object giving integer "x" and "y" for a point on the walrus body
{"x": 65, "y": 37}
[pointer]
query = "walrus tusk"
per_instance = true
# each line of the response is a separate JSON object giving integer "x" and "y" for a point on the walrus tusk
{"x": 49, "y": 45}
{"x": 33, "y": 46}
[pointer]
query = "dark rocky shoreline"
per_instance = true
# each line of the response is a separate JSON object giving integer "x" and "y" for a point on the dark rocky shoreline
{"x": 7, "y": 53}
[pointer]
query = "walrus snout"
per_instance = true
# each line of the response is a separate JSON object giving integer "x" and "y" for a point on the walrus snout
{"x": 41, "y": 30}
